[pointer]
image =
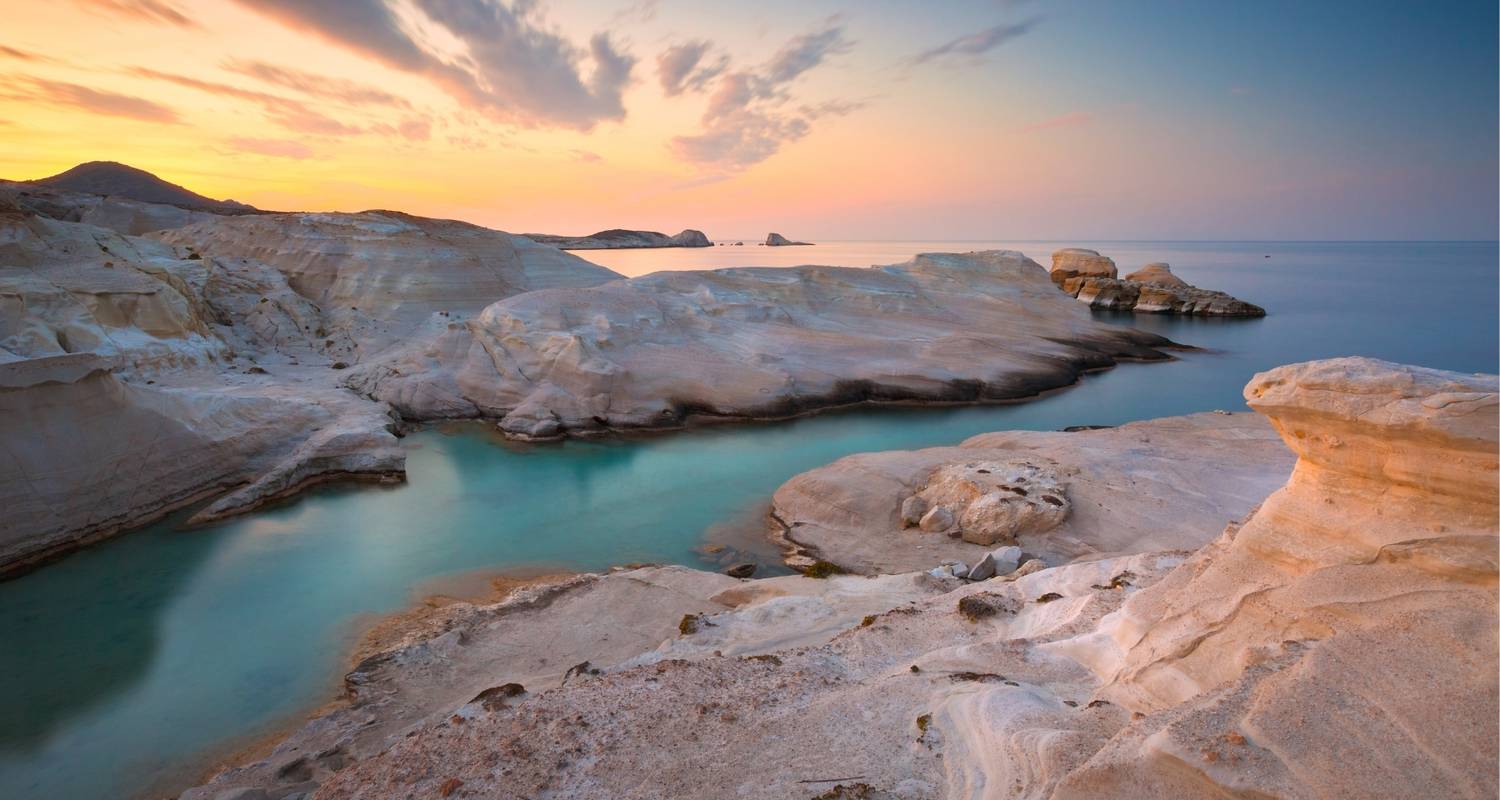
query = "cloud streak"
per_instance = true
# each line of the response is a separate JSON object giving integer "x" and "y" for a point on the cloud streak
{"x": 277, "y": 148}
{"x": 513, "y": 70}
{"x": 974, "y": 45}
{"x": 154, "y": 11}
{"x": 96, "y": 101}
{"x": 313, "y": 85}
{"x": 290, "y": 114}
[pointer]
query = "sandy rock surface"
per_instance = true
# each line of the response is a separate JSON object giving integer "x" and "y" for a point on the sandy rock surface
{"x": 1158, "y": 272}
{"x": 754, "y": 343}
{"x": 1166, "y": 484}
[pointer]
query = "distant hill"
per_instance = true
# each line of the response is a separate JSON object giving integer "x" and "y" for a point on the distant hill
{"x": 119, "y": 180}
{"x": 620, "y": 239}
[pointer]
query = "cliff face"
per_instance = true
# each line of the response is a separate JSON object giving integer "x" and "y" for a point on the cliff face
{"x": 1355, "y": 612}
{"x": 655, "y": 350}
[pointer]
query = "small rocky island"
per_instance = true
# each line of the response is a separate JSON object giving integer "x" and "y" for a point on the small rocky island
{"x": 620, "y": 239}
{"x": 1153, "y": 289}
{"x": 777, "y": 240}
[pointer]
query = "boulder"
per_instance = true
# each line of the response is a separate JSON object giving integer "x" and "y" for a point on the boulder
{"x": 937, "y": 520}
{"x": 984, "y": 569}
{"x": 912, "y": 510}
{"x": 1072, "y": 262}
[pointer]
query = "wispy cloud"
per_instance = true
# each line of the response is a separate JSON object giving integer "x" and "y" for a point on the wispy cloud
{"x": 288, "y": 113}
{"x": 587, "y": 156}
{"x": 24, "y": 55}
{"x": 638, "y": 11}
{"x": 97, "y": 101}
{"x": 516, "y": 69}
{"x": 680, "y": 68}
{"x": 314, "y": 85}
{"x": 746, "y": 120}
{"x": 971, "y": 46}
{"x": 279, "y": 148}
{"x": 158, "y": 11}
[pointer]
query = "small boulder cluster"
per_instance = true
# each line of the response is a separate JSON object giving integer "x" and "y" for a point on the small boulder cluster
{"x": 987, "y": 502}
{"x": 1006, "y": 561}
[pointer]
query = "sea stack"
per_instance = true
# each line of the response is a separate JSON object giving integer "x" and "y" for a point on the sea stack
{"x": 777, "y": 240}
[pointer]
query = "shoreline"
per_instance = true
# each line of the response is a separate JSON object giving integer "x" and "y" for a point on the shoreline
{"x": 369, "y": 636}
{"x": 698, "y": 419}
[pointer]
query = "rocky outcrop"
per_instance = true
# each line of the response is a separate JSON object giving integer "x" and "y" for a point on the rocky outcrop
{"x": 1159, "y": 273}
{"x": 118, "y": 214}
{"x": 204, "y": 365}
{"x": 777, "y": 240}
{"x": 617, "y": 239}
{"x": 1153, "y": 289}
{"x": 657, "y": 350}
{"x": 380, "y": 275}
{"x": 1357, "y": 605}
{"x": 1073, "y": 262}
{"x": 1112, "y": 485}
{"x": 1339, "y": 643}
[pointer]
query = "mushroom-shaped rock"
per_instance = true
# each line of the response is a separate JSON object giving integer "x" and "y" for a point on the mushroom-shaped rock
{"x": 1159, "y": 273}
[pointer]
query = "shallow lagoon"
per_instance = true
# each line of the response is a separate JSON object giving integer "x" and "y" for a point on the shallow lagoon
{"x": 124, "y": 666}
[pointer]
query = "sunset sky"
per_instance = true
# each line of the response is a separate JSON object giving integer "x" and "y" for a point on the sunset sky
{"x": 872, "y": 119}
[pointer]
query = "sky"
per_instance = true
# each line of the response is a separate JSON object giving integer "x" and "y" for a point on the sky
{"x": 877, "y": 119}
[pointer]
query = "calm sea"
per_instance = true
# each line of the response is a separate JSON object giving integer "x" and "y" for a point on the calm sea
{"x": 126, "y": 665}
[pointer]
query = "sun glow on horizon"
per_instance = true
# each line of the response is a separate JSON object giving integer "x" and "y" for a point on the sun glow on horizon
{"x": 974, "y": 120}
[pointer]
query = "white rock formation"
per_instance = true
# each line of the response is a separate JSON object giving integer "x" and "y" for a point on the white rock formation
{"x": 380, "y": 275}
{"x": 753, "y": 343}
{"x": 144, "y": 376}
{"x": 1341, "y": 643}
{"x": 1113, "y": 484}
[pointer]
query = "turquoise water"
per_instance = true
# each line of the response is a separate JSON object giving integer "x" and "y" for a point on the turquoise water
{"x": 124, "y": 665}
